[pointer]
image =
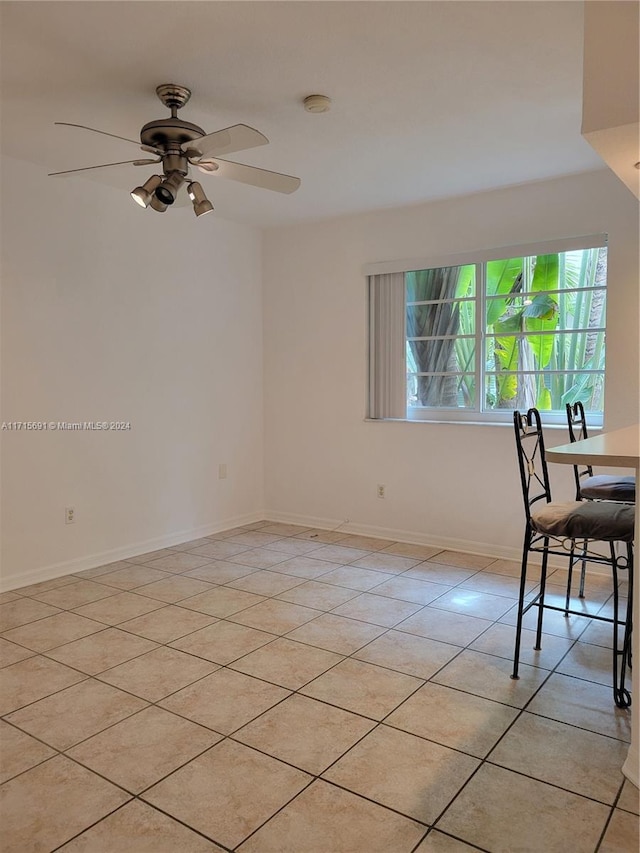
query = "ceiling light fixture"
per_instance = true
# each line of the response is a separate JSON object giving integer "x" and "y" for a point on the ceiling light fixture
{"x": 317, "y": 104}
{"x": 143, "y": 195}
{"x": 201, "y": 203}
{"x": 179, "y": 144}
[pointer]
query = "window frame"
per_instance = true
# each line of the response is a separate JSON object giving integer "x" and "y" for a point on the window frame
{"x": 479, "y": 259}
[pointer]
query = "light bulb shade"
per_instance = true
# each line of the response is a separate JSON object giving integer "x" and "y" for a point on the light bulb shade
{"x": 202, "y": 207}
{"x": 158, "y": 205}
{"x": 196, "y": 193}
{"x": 143, "y": 195}
{"x": 168, "y": 189}
{"x": 201, "y": 203}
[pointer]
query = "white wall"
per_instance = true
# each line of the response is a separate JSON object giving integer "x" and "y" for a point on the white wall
{"x": 611, "y": 89}
{"x": 611, "y": 85}
{"x": 450, "y": 485}
{"x": 115, "y": 313}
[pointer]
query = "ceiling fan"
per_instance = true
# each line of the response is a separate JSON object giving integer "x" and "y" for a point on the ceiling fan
{"x": 179, "y": 144}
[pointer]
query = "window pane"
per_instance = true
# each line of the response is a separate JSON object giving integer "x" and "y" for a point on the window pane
{"x": 441, "y": 319}
{"x": 503, "y": 279}
{"x": 560, "y": 311}
{"x": 440, "y": 376}
{"x": 436, "y": 342}
{"x": 545, "y": 391}
{"x": 560, "y": 352}
{"x": 444, "y": 392}
{"x": 440, "y": 283}
{"x": 451, "y": 355}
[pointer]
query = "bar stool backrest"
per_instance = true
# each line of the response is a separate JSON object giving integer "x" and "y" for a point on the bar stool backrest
{"x": 577, "y": 424}
{"x": 534, "y": 475}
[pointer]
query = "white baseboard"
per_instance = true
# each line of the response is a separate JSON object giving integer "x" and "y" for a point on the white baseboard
{"x": 80, "y": 564}
{"x": 56, "y": 570}
{"x": 413, "y": 537}
{"x": 399, "y": 535}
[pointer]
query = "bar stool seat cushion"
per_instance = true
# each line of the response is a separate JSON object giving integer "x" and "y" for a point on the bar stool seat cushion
{"x": 608, "y": 522}
{"x": 609, "y": 487}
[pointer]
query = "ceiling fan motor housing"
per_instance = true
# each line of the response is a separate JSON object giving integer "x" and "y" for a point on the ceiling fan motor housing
{"x": 168, "y": 133}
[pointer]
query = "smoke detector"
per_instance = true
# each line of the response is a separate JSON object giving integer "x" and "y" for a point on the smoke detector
{"x": 317, "y": 104}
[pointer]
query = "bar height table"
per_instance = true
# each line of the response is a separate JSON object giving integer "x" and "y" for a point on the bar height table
{"x": 619, "y": 449}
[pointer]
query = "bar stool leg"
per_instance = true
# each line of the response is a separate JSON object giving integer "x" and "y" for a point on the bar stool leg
{"x": 569, "y": 582}
{"x": 621, "y": 695}
{"x": 583, "y": 570}
{"x": 523, "y": 586}
{"x": 572, "y": 561}
{"x": 629, "y": 616}
{"x": 543, "y": 586}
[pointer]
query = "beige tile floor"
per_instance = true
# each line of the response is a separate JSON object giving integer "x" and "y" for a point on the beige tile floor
{"x": 274, "y": 689}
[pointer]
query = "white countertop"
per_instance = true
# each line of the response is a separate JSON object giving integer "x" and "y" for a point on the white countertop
{"x": 620, "y": 448}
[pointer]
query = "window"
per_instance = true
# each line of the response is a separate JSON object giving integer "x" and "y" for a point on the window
{"x": 474, "y": 339}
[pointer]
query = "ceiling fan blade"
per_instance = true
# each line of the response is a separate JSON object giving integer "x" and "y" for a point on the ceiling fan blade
{"x": 104, "y": 166}
{"x": 113, "y": 135}
{"x": 250, "y": 175}
{"x": 238, "y": 137}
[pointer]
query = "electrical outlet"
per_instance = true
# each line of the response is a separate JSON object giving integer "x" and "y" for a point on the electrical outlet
{"x": 222, "y": 472}
{"x": 69, "y": 515}
{"x": 380, "y": 490}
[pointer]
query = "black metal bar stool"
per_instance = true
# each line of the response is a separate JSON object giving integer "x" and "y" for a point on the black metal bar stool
{"x": 590, "y": 487}
{"x": 555, "y": 528}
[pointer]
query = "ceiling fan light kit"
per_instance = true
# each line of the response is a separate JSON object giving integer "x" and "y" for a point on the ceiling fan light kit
{"x": 179, "y": 144}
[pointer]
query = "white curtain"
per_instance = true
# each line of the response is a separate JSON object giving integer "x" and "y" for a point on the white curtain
{"x": 387, "y": 360}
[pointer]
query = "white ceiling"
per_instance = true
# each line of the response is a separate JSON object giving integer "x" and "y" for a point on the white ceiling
{"x": 430, "y": 99}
